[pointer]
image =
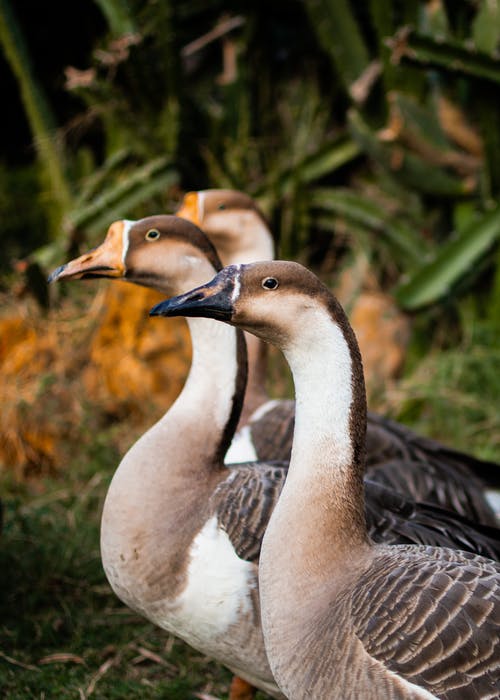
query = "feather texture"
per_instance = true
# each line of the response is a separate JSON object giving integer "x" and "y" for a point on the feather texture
{"x": 434, "y": 626}
{"x": 244, "y": 501}
{"x": 398, "y": 458}
{"x": 342, "y": 616}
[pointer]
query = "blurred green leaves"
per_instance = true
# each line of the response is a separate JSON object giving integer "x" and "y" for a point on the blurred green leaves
{"x": 449, "y": 56}
{"x": 455, "y": 257}
{"x": 341, "y": 37}
{"x": 376, "y": 121}
{"x": 38, "y": 112}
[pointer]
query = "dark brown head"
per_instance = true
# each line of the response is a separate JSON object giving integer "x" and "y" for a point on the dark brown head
{"x": 232, "y": 221}
{"x": 162, "y": 252}
{"x": 276, "y": 301}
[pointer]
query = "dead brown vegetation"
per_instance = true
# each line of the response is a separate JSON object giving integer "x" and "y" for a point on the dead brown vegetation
{"x": 88, "y": 362}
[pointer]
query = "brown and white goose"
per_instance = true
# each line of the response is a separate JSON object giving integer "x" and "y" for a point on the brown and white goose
{"x": 171, "y": 497}
{"x": 170, "y": 542}
{"x": 344, "y": 617}
{"x": 396, "y": 456}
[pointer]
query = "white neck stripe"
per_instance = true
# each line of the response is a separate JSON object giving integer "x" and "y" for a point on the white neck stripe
{"x": 237, "y": 284}
{"x": 127, "y": 225}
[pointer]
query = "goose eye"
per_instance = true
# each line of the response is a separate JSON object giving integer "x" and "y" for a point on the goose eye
{"x": 269, "y": 283}
{"x": 221, "y": 206}
{"x": 152, "y": 235}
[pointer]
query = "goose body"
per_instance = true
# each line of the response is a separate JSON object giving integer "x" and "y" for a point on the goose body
{"x": 395, "y": 456}
{"x": 344, "y": 617}
{"x": 163, "y": 546}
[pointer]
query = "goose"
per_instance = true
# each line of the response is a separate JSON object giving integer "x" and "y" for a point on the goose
{"x": 181, "y": 532}
{"x": 395, "y": 455}
{"x": 343, "y": 617}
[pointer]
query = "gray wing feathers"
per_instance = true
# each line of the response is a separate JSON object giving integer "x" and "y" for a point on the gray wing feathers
{"x": 435, "y": 622}
{"x": 244, "y": 503}
{"x": 272, "y": 432}
{"x": 398, "y": 458}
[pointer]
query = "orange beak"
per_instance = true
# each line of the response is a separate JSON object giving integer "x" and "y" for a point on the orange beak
{"x": 189, "y": 208}
{"x": 107, "y": 260}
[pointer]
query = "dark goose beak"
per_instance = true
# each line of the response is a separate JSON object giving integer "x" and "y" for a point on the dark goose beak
{"x": 212, "y": 300}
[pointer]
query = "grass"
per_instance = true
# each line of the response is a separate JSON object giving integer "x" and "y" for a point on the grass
{"x": 63, "y": 633}
{"x": 452, "y": 393}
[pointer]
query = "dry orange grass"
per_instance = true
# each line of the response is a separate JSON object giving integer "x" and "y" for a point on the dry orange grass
{"x": 86, "y": 363}
{"x": 39, "y": 406}
{"x": 135, "y": 361}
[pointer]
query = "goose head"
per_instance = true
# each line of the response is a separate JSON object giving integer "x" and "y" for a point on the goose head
{"x": 232, "y": 221}
{"x": 162, "y": 252}
{"x": 276, "y": 301}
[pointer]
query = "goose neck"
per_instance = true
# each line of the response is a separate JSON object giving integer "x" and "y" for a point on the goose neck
{"x": 159, "y": 495}
{"x": 213, "y": 392}
{"x": 323, "y": 498}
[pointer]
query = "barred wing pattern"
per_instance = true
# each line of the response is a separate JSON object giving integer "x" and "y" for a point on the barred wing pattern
{"x": 245, "y": 500}
{"x": 402, "y": 460}
{"x": 398, "y": 458}
{"x": 393, "y": 519}
{"x": 272, "y": 431}
{"x": 389, "y": 440}
{"x": 433, "y": 617}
